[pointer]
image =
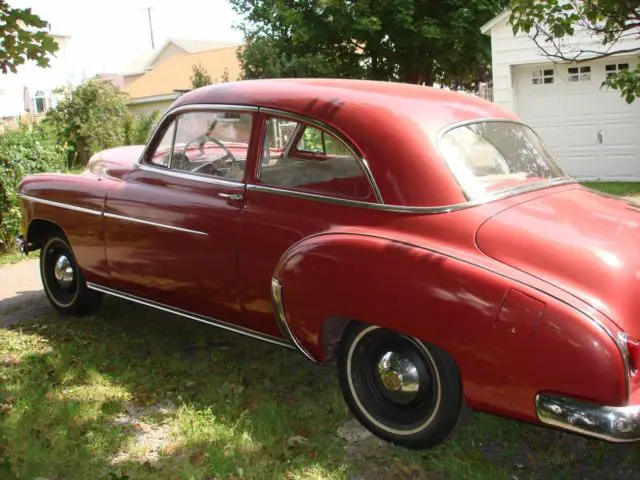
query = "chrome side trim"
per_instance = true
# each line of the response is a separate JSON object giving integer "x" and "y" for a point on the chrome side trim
{"x": 190, "y": 176}
{"x": 613, "y": 424}
{"x": 281, "y": 319}
{"x": 405, "y": 209}
{"x": 192, "y": 316}
{"x": 154, "y": 224}
{"x": 364, "y": 165}
{"x": 61, "y": 205}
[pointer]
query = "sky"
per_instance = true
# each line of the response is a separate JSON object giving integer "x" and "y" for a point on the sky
{"x": 106, "y": 34}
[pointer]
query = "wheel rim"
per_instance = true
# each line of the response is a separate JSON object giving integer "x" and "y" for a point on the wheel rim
{"x": 60, "y": 273}
{"x": 393, "y": 381}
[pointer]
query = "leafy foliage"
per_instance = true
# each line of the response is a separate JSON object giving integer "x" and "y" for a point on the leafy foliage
{"x": 604, "y": 22}
{"x": 89, "y": 118}
{"x": 24, "y": 37}
{"x": 23, "y": 151}
{"x": 200, "y": 76}
{"x": 138, "y": 129}
{"x": 398, "y": 40}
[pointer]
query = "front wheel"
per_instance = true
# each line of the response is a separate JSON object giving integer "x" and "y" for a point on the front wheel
{"x": 404, "y": 391}
{"x": 63, "y": 281}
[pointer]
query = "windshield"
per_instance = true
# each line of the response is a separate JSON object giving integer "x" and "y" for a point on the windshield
{"x": 496, "y": 156}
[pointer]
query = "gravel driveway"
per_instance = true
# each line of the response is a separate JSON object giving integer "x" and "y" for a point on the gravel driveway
{"x": 21, "y": 294}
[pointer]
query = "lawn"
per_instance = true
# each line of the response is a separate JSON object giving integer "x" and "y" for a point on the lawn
{"x": 141, "y": 394}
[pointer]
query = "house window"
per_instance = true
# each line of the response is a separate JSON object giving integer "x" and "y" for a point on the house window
{"x": 615, "y": 68}
{"x": 579, "y": 74}
{"x": 40, "y": 102}
{"x": 539, "y": 77}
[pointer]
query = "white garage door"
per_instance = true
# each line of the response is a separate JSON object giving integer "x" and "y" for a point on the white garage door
{"x": 592, "y": 131}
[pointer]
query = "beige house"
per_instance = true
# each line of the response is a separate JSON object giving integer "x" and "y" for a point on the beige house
{"x": 155, "y": 79}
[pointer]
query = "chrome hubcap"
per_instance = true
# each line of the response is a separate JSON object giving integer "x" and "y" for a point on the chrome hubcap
{"x": 63, "y": 271}
{"x": 399, "y": 377}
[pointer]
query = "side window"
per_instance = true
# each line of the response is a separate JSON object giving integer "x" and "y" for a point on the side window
{"x": 308, "y": 159}
{"x": 212, "y": 143}
{"x": 162, "y": 154}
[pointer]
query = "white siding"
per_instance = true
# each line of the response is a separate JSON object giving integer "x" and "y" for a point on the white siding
{"x": 508, "y": 50}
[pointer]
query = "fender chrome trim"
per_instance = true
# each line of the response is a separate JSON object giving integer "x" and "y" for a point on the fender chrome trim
{"x": 193, "y": 316}
{"x": 613, "y": 424}
{"x": 281, "y": 319}
{"x": 60, "y": 205}
{"x": 153, "y": 224}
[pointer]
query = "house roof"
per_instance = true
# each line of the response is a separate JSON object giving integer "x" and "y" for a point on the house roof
{"x": 494, "y": 22}
{"x": 175, "y": 72}
{"x": 141, "y": 62}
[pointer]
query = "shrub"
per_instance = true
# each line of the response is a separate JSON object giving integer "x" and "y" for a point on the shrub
{"x": 23, "y": 151}
{"x": 89, "y": 118}
{"x": 138, "y": 129}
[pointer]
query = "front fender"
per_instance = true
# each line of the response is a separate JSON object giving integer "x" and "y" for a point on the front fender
{"x": 509, "y": 340}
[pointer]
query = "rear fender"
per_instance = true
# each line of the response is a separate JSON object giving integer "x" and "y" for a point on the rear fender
{"x": 508, "y": 340}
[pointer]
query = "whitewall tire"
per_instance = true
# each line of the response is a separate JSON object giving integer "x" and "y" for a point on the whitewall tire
{"x": 404, "y": 391}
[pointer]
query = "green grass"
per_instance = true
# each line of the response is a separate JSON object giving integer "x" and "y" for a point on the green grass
{"x": 234, "y": 408}
{"x": 624, "y": 189}
{"x": 12, "y": 257}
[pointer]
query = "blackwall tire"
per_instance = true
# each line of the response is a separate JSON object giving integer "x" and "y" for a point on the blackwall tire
{"x": 404, "y": 391}
{"x": 62, "y": 280}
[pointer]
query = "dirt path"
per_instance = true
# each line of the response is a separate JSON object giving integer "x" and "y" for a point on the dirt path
{"x": 21, "y": 294}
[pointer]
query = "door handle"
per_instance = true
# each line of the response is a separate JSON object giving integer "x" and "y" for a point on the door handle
{"x": 231, "y": 196}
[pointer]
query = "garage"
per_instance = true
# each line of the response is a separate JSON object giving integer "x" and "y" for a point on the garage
{"x": 592, "y": 131}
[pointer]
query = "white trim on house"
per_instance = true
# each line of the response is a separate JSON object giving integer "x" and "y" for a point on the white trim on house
{"x": 491, "y": 24}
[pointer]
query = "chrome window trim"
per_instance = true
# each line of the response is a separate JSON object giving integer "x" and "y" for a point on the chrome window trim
{"x": 153, "y": 224}
{"x": 452, "y": 126}
{"x": 405, "y": 209}
{"x": 281, "y": 319}
{"x": 61, "y": 205}
{"x": 193, "y": 316}
{"x": 191, "y": 176}
{"x": 364, "y": 166}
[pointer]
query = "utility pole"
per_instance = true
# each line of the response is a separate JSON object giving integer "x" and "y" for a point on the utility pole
{"x": 148, "y": 9}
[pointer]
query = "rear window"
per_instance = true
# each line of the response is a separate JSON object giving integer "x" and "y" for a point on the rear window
{"x": 489, "y": 158}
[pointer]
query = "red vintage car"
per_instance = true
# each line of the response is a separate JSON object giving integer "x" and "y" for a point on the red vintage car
{"x": 426, "y": 239}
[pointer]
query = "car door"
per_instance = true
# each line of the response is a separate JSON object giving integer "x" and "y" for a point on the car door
{"x": 171, "y": 223}
{"x": 307, "y": 180}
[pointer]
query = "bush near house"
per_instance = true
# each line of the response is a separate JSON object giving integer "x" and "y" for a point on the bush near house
{"x": 28, "y": 149}
{"x": 93, "y": 117}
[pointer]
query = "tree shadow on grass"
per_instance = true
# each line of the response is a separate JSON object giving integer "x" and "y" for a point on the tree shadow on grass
{"x": 237, "y": 407}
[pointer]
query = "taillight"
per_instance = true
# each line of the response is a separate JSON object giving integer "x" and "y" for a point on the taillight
{"x": 631, "y": 348}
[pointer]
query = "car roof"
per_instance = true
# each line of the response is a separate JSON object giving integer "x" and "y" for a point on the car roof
{"x": 393, "y": 125}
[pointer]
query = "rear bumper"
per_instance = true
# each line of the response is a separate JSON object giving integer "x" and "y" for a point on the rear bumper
{"x": 613, "y": 424}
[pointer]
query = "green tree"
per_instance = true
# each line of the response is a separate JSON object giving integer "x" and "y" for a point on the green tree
{"x": 606, "y": 22}
{"x": 89, "y": 118}
{"x": 200, "y": 76}
{"x": 414, "y": 41}
{"x": 24, "y": 37}
{"x": 137, "y": 129}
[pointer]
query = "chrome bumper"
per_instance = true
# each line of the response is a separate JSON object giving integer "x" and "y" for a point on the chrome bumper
{"x": 613, "y": 424}
{"x": 21, "y": 245}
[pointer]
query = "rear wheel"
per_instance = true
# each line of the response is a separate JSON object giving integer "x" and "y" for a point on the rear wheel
{"x": 63, "y": 281}
{"x": 404, "y": 391}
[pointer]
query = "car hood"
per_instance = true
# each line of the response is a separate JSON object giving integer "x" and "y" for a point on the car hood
{"x": 115, "y": 159}
{"x": 583, "y": 242}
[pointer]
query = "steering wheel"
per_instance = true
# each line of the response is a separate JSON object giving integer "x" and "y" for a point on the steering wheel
{"x": 202, "y": 139}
